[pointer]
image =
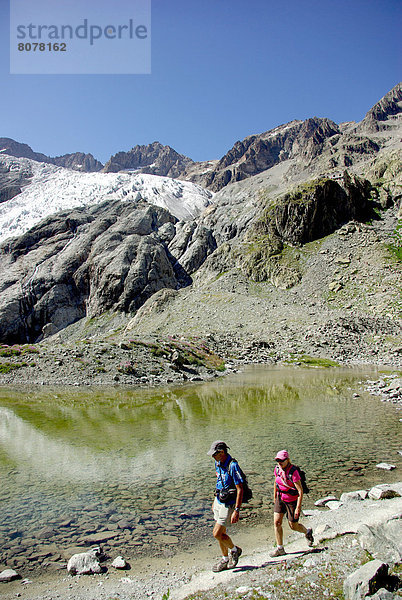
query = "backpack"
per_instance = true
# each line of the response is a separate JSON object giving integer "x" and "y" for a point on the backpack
{"x": 293, "y": 468}
{"x": 247, "y": 491}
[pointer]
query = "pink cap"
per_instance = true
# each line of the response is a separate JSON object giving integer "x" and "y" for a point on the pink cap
{"x": 282, "y": 455}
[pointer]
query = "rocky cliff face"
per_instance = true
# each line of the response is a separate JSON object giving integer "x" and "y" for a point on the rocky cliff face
{"x": 154, "y": 159}
{"x": 77, "y": 161}
{"x": 84, "y": 262}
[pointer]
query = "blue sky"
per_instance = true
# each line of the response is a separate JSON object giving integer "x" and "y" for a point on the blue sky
{"x": 221, "y": 70}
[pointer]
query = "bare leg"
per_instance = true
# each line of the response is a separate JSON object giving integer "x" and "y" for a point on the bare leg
{"x": 278, "y": 518}
{"x": 225, "y": 543}
{"x": 297, "y": 527}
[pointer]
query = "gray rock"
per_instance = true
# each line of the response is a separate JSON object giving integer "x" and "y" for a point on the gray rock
{"x": 333, "y": 504}
{"x": 81, "y": 263}
{"x": 383, "y": 594}
{"x": 46, "y": 533}
{"x": 9, "y": 575}
{"x": 323, "y": 501}
{"x": 385, "y": 490}
{"x": 120, "y": 563}
{"x": 124, "y": 524}
{"x": 383, "y": 541}
{"x": 365, "y": 581}
{"x": 353, "y": 496}
{"x": 85, "y": 563}
{"x": 103, "y": 536}
{"x": 385, "y": 466}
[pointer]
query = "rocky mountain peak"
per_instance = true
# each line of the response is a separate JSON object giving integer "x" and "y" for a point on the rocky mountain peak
{"x": 257, "y": 153}
{"x": 77, "y": 161}
{"x": 13, "y": 148}
{"x": 381, "y": 115}
{"x": 153, "y": 159}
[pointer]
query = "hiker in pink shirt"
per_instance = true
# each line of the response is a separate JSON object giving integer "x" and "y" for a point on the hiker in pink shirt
{"x": 288, "y": 497}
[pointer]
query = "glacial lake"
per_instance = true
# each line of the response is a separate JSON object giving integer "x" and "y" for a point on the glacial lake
{"x": 129, "y": 466}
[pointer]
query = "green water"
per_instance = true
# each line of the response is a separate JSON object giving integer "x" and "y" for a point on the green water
{"x": 94, "y": 456}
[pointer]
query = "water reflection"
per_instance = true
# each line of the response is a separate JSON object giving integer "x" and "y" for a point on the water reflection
{"x": 133, "y": 453}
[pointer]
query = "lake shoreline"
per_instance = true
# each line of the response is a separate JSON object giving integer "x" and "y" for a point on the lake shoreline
{"x": 188, "y": 574}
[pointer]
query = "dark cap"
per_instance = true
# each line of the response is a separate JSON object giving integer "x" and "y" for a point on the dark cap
{"x": 217, "y": 445}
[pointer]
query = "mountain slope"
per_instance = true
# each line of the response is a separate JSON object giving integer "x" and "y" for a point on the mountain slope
{"x": 264, "y": 232}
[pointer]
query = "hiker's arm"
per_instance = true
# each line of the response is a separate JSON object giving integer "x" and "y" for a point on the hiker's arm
{"x": 239, "y": 498}
{"x": 299, "y": 499}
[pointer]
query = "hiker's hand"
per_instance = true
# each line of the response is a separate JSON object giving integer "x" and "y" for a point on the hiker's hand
{"x": 235, "y": 516}
{"x": 297, "y": 513}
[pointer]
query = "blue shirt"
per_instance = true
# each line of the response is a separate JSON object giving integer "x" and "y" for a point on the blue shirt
{"x": 227, "y": 477}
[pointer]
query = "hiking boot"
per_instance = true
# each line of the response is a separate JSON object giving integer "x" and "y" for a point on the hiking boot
{"x": 278, "y": 552}
{"x": 222, "y": 565}
{"x": 234, "y": 557}
{"x": 309, "y": 537}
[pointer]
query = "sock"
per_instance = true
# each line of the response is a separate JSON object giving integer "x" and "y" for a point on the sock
{"x": 233, "y": 549}
{"x": 280, "y": 546}
{"x": 225, "y": 558}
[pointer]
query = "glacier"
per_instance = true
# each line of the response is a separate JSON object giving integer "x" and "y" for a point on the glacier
{"x": 52, "y": 189}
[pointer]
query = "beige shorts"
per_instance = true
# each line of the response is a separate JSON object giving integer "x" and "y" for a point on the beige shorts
{"x": 222, "y": 513}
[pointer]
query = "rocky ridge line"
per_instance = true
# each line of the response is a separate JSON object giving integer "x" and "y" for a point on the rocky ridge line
{"x": 77, "y": 160}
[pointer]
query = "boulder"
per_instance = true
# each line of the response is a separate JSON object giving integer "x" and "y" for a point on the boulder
{"x": 85, "y": 563}
{"x": 333, "y": 504}
{"x": 383, "y": 541}
{"x": 385, "y": 466}
{"x": 9, "y": 575}
{"x": 353, "y": 496}
{"x": 325, "y": 532}
{"x": 383, "y": 594}
{"x": 384, "y": 491}
{"x": 365, "y": 581}
{"x": 323, "y": 501}
{"x": 120, "y": 563}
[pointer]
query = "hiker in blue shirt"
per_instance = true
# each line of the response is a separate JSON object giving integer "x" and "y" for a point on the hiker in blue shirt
{"x": 227, "y": 503}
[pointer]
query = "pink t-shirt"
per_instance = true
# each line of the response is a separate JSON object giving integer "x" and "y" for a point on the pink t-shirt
{"x": 286, "y": 483}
